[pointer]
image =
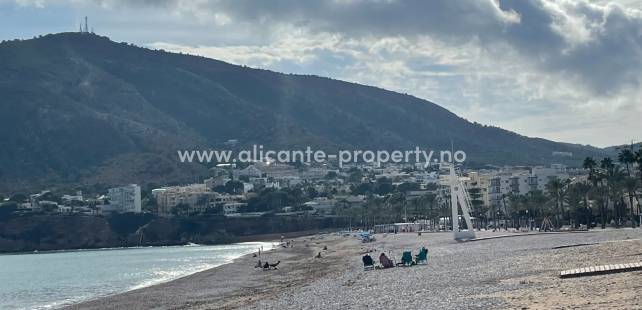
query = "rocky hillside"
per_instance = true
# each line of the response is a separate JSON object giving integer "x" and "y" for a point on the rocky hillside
{"x": 80, "y": 108}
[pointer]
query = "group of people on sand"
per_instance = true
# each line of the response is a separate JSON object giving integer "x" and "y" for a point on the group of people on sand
{"x": 266, "y": 265}
{"x": 406, "y": 260}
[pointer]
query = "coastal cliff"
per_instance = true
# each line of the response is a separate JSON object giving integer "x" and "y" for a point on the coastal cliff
{"x": 46, "y": 233}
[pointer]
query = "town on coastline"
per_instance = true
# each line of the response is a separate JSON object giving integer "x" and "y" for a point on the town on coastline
{"x": 408, "y": 197}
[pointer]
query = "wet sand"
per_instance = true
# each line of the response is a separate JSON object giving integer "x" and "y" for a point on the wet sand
{"x": 517, "y": 272}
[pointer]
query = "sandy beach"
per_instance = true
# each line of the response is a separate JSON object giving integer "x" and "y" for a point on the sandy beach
{"x": 510, "y": 273}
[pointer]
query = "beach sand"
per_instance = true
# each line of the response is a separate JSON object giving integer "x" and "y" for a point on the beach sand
{"x": 510, "y": 273}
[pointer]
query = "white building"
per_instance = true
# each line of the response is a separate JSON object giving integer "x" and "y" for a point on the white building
{"x": 125, "y": 199}
{"x": 197, "y": 196}
{"x": 64, "y": 209}
{"x": 521, "y": 182}
{"x": 545, "y": 175}
{"x": 250, "y": 171}
{"x": 321, "y": 205}
{"x": 232, "y": 207}
{"x": 68, "y": 199}
{"x": 247, "y": 187}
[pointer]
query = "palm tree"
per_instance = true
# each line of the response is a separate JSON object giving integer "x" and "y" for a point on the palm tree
{"x": 557, "y": 191}
{"x": 638, "y": 160}
{"x": 607, "y": 170}
{"x": 607, "y": 163}
{"x": 585, "y": 190}
{"x": 614, "y": 184}
{"x": 627, "y": 157}
{"x": 536, "y": 201}
{"x": 590, "y": 164}
{"x": 424, "y": 206}
{"x": 616, "y": 193}
{"x": 631, "y": 185}
{"x": 516, "y": 203}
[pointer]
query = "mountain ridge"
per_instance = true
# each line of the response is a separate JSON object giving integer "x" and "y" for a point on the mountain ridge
{"x": 76, "y": 102}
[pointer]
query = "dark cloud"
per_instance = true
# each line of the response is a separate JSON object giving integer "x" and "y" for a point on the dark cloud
{"x": 524, "y": 65}
{"x": 608, "y": 59}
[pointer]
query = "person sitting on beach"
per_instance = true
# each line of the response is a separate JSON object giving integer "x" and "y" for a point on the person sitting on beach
{"x": 266, "y": 265}
{"x": 258, "y": 264}
{"x": 367, "y": 260}
{"x": 385, "y": 261}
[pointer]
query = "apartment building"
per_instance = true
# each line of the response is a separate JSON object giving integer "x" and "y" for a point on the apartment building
{"x": 125, "y": 199}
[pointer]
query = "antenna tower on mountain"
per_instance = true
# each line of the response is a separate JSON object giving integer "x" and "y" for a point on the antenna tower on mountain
{"x": 84, "y": 27}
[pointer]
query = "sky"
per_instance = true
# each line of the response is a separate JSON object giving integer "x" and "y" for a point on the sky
{"x": 567, "y": 70}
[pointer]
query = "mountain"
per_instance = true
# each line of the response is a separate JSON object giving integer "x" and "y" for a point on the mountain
{"x": 81, "y": 109}
{"x": 613, "y": 151}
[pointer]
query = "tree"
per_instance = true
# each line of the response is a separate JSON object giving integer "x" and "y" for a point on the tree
{"x": 181, "y": 209}
{"x": 269, "y": 199}
{"x": 231, "y": 187}
{"x": 626, "y": 157}
{"x": 479, "y": 208}
{"x": 331, "y": 175}
{"x": 585, "y": 189}
{"x": 408, "y": 186}
{"x": 613, "y": 183}
{"x": 355, "y": 175}
{"x": 383, "y": 186}
{"x": 362, "y": 189}
{"x": 19, "y": 198}
{"x": 631, "y": 185}
{"x": 638, "y": 160}
{"x": 7, "y": 208}
{"x": 557, "y": 191}
{"x": 517, "y": 204}
{"x": 311, "y": 192}
{"x": 590, "y": 164}
{"x": 615, "y": 190}
{"x": 396, "y": 204}
{"x": 575, "y": 200}
{"x": 150, "y": 204}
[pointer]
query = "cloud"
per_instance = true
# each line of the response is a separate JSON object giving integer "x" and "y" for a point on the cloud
{"x": 568, "y": 70}
{"x": 599, "y": 47}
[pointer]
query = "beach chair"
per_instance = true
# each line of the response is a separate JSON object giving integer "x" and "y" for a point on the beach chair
{"x": 422, "y": 257}
{"x": 406, "y": 258}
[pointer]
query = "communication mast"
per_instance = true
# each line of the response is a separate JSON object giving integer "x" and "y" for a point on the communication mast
{"x": 84, "y": 28}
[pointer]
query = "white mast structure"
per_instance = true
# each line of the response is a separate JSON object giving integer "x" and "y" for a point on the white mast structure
{"x": 459, "y": 199}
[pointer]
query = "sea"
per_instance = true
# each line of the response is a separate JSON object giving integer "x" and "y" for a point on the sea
{"x": 50, "y": 280}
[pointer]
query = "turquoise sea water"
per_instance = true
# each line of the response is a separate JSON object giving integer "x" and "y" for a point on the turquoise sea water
{"x": 54, "y": 279}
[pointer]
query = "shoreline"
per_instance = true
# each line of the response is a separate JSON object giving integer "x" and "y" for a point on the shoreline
{"x": 265, "y": 238}
{"x": 243, "y": 239}
{"x": 303, "y": 250}
{"x": 498, "y": 273}
{"x": 63, "y": 305}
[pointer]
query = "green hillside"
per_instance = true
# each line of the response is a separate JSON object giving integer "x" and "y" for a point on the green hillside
{"x": 79, "y": 108}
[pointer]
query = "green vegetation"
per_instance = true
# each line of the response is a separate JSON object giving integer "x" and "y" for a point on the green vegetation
{"x": 597, "y": 199}
{"x": 81, "y": 109}
{"x": 600, "y": 198}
